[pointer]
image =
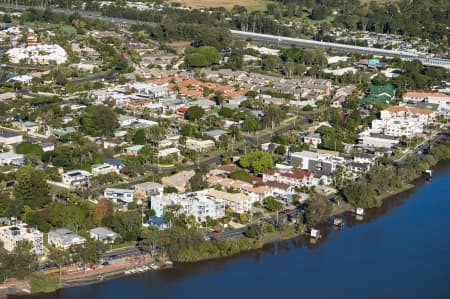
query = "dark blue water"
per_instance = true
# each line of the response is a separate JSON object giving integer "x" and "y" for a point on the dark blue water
{"x": 401, "y": 250}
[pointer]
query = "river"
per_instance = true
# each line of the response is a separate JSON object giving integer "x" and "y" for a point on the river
{"x": 401, "y": 250}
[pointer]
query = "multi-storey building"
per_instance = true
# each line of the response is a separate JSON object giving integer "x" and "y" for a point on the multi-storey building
{"x": 11, "y": 235}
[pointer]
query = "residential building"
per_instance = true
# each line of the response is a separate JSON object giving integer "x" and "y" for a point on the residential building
{"x": 11, "y": 235}
{"x": 103, "y": 234}
{"x": 133, "y": 150}
{"x": 397, "y": 127}
{"x": 64, "y": 238}
{"x": 379, "y": 94}
{"x": 10, "y": 158}
{"x": 419, "y": 115}
{"x": 117, "y": 195}
{"x": 199, "y": 145}
{"x": 323, "y": 163}
{"x": 313, "y": 139}
{"x": 191, "y": 204}
{"x": 77, "y": 178}
{"x": 144, "y": 190}
{"x": 104, "y": 168}
{"x": 215, "y": 134}
{"x": 178, "y": 180}
{"x": 10, "y": 137}
{"x": 168, "y": 152}
{"x": 239, "y": 202}
{"x": 294, "y": 177}
{"x": 258, "y": 192}
{"x": 379, "y": 141}
{"x": 38, "y": 54}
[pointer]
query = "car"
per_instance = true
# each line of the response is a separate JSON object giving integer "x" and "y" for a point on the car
{"x": 105, "y": 263}
{"x": 216, "y": 232}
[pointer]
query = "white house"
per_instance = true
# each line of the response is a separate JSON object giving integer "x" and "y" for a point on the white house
{"x": 117, "y": 195}
{"x": 169, "y": 151}
{"x": 76, "y": 178}
{"x": 103, "y": 234}
{"x": 64, "y": 238}
{"x": 313, "y": 139}
{"x": 199, "y": 144}
{"x": 104, "y": 168}
{"x": 239, "y": 202}
{"x": 10, "y": 158}
{"x": 10, "y": 137}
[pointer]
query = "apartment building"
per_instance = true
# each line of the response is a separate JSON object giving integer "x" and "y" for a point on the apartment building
{"x": 11, "y": 235}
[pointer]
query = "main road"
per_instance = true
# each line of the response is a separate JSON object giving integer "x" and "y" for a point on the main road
{"x": 307, "y": 43}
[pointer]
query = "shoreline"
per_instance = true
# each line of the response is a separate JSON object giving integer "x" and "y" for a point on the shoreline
{"x": 281, "y": 237}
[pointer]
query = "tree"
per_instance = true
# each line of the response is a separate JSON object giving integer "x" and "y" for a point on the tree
{"x": 197, "y": 182}
{"x": 317, "y": 208}
{"x": 272, "y": 204}
{"x": 31, "y": 187}
{"x": 99, "y": 121}
{"x": 139, "y": 137}
{"x": 241, "y": 175}
{"x": 256, "y": 161}
{"x": 196, "y": 60}
{"x": 194, "y": 113}
{"x": 271, "y": 62}
{"x": 104, "y": 208}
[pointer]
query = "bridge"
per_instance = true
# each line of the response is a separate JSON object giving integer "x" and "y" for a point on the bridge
{"x": 306, "y": 43}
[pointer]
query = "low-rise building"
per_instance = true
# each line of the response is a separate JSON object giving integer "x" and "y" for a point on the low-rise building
{"x": 11, "y": 235}
{"x": 38, "y": 54}
{"x": 313, "y": 139}
{"x": 144, "y": 190}
{"x": 103, "y": 234}
{"x": 9, "y": 137}
{"x": 64, "y": 238}
{"x": 10, "y": 158}
{"x": 77, "y": 178}
{"x": 378, "y": 141}
{"x": 199, "y": 144}
{"x": 239, "y": 202}
{"x": 168, "y": 152}
{"x": 104, "y": 168}
{"x": 294, "y": 177}
{"x": 117, "y": 195}
{"x": 324, "y": 163}
{"x": 215, "y": 134}
{"x": 191, "y": 204}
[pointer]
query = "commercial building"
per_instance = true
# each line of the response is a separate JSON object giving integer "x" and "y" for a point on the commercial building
{"x": 11, "y": 235}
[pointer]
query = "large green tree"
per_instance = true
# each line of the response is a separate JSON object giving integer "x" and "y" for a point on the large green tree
{"x": 31, "y": 187}
{"x": 256, "y": 161}
{"x": 99, "y": 121}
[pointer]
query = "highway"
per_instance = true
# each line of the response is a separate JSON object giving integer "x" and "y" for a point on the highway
{"x": 306, "y": 43}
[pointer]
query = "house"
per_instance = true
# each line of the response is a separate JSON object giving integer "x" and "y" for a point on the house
{"x": 59, "y": 133}
{"x": 125, "y": 120}
{"x": 47, "y": 146}
{"x": 111, "y": 143}
{"x": 117, "y": 195}
{"x": 168, "y": 152}
{"x": 199, "y": 145}
{"x": 198, "y": 205}
{"x": 313, "y": 139}
{"x": 64, "y": 238}
{"x": 378, "y": 141}
{"x": 38, "y": 54}
{"x": 215, "y": 134}
{"x": 10, "y": 137}
{"x": 76, "y": 178}
{"x": 103, "y": 234}
{"x": 178, "y": 180}
{"x": 26, "y": 126}
{"x": 144, "y": 190}
{"x": 10, "y": 158}
{"x": 117, "y": 164}
{"x": 104, "y": 168}
{"x": 11, "y": 235}
{"x": 133, "y": 150}
{"x": 257, "y": 193}
{"x": 294, "y": 177}
{"x": 379, "y": 94}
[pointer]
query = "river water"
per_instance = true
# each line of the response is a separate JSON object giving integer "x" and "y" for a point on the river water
{"x": 401, "y": 250}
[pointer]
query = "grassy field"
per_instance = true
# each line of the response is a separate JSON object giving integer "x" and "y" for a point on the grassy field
{"x": 252, "y": 5}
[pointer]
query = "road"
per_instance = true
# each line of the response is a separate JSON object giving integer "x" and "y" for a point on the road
{"x": 123, "y": 252}
{"x": 306, "y": 43}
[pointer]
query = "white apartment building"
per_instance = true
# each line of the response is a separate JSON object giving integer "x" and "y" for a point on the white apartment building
{"x": 38, "y": 54}
{"x": 11, "y": 235}
{"x": 104, "y": 168}
{"x": 323, "y": 163}
{"x": 149, "y": 89}
{"x": 295, "y": 177}
{"x": 397, "y": 127}
{"x": 196, "y": 204}
{"x": 117, "y": 195}
{"x": 64, "y": 238}
{"x": 420, "y": 115}
{"x": 239, "y": 202}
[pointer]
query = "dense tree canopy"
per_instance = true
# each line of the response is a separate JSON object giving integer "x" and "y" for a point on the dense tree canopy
{"x": 99, "y": 121}
{"x": 256, "y": 161}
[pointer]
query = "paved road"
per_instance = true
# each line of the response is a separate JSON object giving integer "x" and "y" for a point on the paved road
{"x": 306, "y": 43}
{"x": 123, "y": 252}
